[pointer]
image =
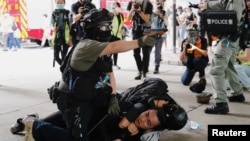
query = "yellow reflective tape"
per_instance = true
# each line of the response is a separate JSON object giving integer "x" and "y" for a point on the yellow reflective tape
{"x": 16, "y": 6}
{"x": 9, "y": 7}
{"x": 23, "y": 18}
{"x": 3, "y": 7}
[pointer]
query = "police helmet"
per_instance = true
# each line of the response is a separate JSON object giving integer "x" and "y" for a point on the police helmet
{"x": 172, "y": 117}
{"x": 96, "y": 17}
{"x": 97, "y": 24}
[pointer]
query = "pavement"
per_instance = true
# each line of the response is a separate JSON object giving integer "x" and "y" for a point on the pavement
{"x": 26, "y": 74}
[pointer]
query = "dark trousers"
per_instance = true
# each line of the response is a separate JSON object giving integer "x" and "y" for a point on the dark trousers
{"x": 142, "y": 62}
{"x": 60, "y": 51}
{"x": 115, "y": 57}
{"x": 53, "y": 127}
{"x": 158, "y": 46}
{"x": 199, "y": 66}
{"x": 44, "y": 130}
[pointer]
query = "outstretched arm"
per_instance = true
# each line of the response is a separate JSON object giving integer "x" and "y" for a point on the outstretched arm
{"x": 123, "y": 46}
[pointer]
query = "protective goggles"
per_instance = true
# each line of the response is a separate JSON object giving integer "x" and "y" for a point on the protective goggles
{"x": 105, "y": 27}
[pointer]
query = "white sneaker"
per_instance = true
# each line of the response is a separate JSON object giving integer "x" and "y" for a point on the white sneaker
{"x": 117, "y": 67}
{"x": 18, "y": 126}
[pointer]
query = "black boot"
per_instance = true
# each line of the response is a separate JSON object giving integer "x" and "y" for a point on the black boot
{"x": 156, "y": 70}
{"x": 138, "y": 77}
{"x": 238, "y": 98}
{"x": 218, "y": 108}
{"x": 198, "y": 87}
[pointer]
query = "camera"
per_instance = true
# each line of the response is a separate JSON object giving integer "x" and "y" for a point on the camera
{"x": 85, "y": 9}
{"x": 188, "y": 46}
{"x": 136, "y": 6}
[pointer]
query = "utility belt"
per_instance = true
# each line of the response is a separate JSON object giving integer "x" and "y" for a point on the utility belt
{"x": 77, "y": 105}
{"x": 81, "y": 91}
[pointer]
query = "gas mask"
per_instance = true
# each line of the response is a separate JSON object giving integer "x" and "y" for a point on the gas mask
{"x": 103, "y": 33}
{"x": 193, "y": 36}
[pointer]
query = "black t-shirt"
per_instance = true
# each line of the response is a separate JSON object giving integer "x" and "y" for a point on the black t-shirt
{"x": 138, "y": 22}
{"x": 75, "y": 6}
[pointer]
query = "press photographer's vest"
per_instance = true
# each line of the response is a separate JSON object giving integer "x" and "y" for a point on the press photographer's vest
{"x": 247, "y": 63}
{"x": 117, "y": 26}
{"x": 66, "y": 24}
{"x": 138, "y": 23}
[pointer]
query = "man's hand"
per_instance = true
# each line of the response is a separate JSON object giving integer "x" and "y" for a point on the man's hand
{"x": 193, "y": 47}
{"x": 148, "y": 40}
{"x": 80, "y": 10}
{"x": 124, "y": 123}
{"x": 193, "y": 5}
{"x": 113, "y": 108}
{"x": 133, "y": 129}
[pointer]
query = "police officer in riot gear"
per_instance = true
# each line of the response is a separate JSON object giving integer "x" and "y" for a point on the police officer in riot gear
{"x": 76, "y": 102}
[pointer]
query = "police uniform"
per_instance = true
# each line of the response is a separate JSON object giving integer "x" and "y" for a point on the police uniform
{"x": 224, "y": 59}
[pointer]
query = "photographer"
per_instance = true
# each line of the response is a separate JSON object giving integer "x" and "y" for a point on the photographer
{"x": 194, "y": 56}
{"x": 159, "y": 20}
{"x": 140, "y": 12}
{"x": 224, "y": 58}
{"x": 78, "y": 9}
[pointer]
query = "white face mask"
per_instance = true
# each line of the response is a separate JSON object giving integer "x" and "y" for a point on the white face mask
{"x": 117, "y": 9}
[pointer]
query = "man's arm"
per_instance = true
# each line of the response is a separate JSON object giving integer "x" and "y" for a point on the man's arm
{"x": 123, "y": 46}
{"x": 202, "y": 51}
{"x": 112, "y": 82}
{"x": 213, "y": 5}
{"x": 79, "y": 15}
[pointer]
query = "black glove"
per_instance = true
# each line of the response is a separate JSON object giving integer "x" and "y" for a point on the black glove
{"x": 113, "y": 108}
{"x": 148, "y": 40}
{"x": 54, "y": 92}
{"x": 193, "y": 5}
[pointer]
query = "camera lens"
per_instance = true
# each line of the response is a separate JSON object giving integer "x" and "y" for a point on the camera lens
{"x": 136, "y": 6}
{"x": 188, "y": 46}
